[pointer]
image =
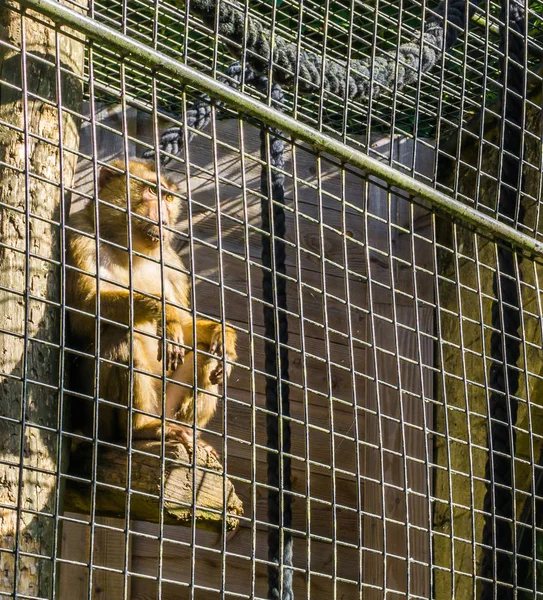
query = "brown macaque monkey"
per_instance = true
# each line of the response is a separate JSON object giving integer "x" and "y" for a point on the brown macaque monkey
{"x": 99, "y": 283}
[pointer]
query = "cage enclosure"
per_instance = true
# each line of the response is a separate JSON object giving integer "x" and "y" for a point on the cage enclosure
{"x": 358, "y": 188}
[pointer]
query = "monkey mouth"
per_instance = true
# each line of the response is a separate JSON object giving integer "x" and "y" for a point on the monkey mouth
{"x": 155, "y": 233}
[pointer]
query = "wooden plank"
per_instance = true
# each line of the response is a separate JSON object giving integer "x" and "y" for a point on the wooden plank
{"x": 399, "y": 457}
{"x": 108, "y": 557}
{"x": 109, "y": 553}
{"x": 74, "y": 579}
{"x": 240, "y": 569}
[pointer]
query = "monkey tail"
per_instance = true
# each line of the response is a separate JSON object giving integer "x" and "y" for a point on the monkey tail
{"x": 498, "y": 556}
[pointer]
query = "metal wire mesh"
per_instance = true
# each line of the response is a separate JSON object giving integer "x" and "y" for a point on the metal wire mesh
{"x": 389, "y": 305}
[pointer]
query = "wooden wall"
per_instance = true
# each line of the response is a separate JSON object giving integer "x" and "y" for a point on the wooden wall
{"x": 362, "y": 431}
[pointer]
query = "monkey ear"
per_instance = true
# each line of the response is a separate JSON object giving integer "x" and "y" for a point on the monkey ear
{"x": 108, "y": 173}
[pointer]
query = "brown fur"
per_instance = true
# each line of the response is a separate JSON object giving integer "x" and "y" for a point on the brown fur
{"x": 115, "y": 275}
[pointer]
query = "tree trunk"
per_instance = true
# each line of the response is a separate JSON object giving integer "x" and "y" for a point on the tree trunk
{"x": 36, "y": 140}
{"x": 214, "y": 493}
{"x": 461, "y": 413}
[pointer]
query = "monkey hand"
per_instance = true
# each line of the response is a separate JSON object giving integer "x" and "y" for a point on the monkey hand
{"x": 222, "y": 346}
{"x": 175, "y": 353}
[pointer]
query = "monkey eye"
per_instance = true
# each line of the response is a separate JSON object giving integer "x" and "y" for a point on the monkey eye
{"x": 152, "y": 190}
{"x": 169, "y": 198}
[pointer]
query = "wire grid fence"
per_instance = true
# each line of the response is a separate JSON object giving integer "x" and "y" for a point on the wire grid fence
{"x": 392, "y": 308}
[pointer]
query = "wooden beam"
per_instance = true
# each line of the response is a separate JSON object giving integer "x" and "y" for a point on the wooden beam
{"x": 214, "y": 492}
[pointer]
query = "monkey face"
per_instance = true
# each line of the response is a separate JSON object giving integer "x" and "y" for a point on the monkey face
{"x": 153, "y": 207}
{"x": 159, "y": 210}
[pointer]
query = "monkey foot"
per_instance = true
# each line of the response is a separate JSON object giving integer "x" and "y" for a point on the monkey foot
{"x": 210, "y": 449}
{"x": 178, "y": 433}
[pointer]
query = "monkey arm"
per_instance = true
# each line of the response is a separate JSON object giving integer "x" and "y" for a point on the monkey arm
{"x": 115, "y": 305}
{"x": 112, "y": 304}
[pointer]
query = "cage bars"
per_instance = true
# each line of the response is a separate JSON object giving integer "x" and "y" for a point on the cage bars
{"x": 287, "y": 124}
{"x": 327, "y": 362}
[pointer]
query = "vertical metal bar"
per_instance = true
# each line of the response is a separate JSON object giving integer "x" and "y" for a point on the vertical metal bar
{"x": 252, "y": 364}
{"x": 529, "y": 407}
{"x": 417, "y": 116}
{"x": 219, "y": 247}
{"x": 298, "y": 242}
{"x": 250, "y": 314}
{"x": 350, "y": 329}
{"x": 374, "y": 45}
{"x": 329, "y": 386}
{"x": 395, "y": 89}
{"x": 162, "y": 341}
{"x": 192, "y": 271}
{"x": 281, "y": 387}
{"x": 278, "y": 459}
{"x": 60, "y": 486}
{"x": 462, "y": 104}
{"x": 130, "y": 253}
{"x": 376, "y": 371}
{"x": 440, "y": 314}
{"x": 354, "y": 386}
{"x": 479, "y": 171}
{"x": 322, "y": 90}
{"x": 391, "y": 220}
{"x": 97, "y": 344}
{"x": 457, "y": 254}
{"x": 440, "y": 103}
{"x": 331, "y": 408}
{"x": 423, "y": 392}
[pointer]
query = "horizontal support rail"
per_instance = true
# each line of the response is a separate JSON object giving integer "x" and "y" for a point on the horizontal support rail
{"x": 128, "y": 47}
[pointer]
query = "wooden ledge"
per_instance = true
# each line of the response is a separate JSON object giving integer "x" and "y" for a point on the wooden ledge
{"x": 146, "y": 472}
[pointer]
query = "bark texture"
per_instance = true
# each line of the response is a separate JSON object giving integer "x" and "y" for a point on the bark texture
{"x": 32, "y": 181}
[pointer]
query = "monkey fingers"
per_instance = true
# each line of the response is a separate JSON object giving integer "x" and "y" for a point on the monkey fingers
{"x": 175, "y": 353}
{"x": 222, "y": 346}
{"x": 216, "y": 376}
{"x": 227, "y": 345}
{"x": 174, "y": 356}
{"x": 215, "y": 346}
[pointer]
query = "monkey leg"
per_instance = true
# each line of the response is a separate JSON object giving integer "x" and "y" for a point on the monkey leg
{"x": 180, "y": 397}
{"x": 146, "y": 419}
{"x": 146, "y": 394}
